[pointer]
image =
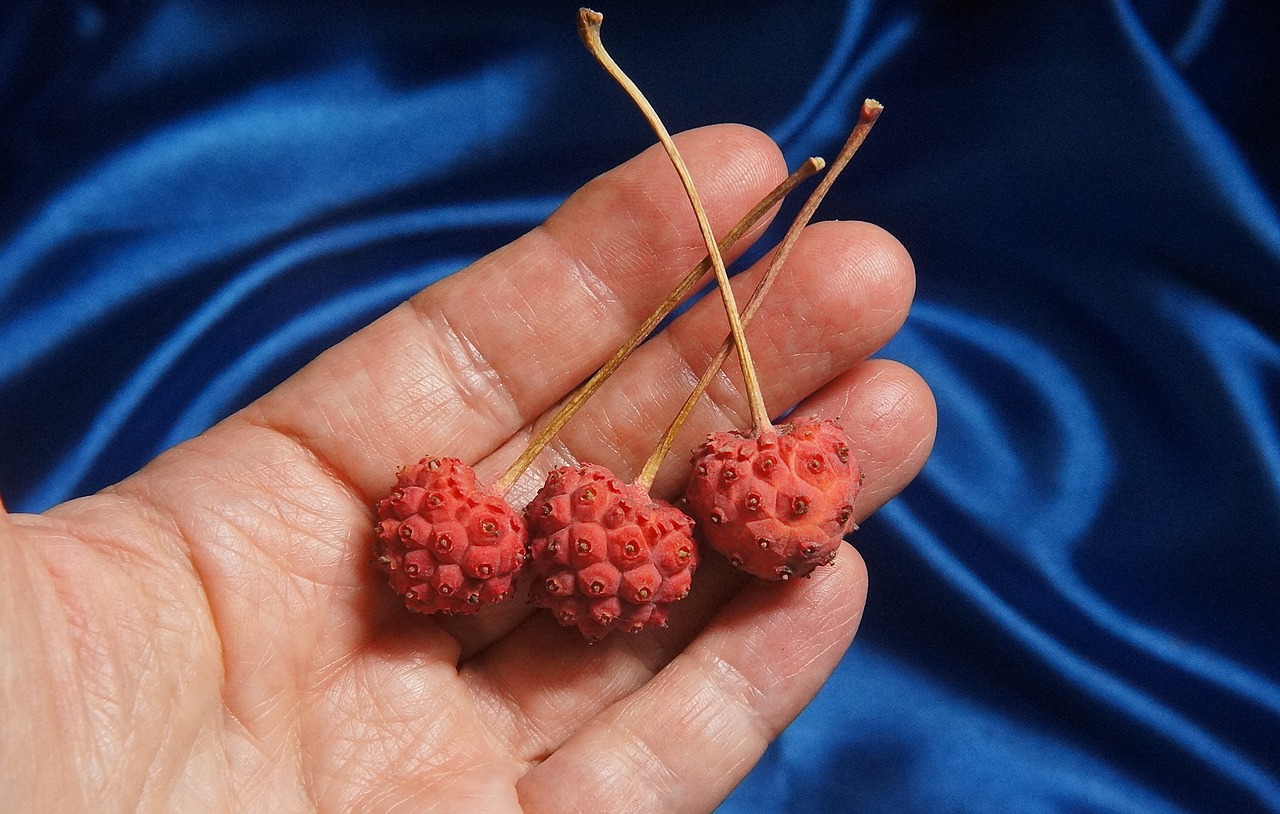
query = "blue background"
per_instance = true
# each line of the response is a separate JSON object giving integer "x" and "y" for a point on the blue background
{"x": 1074, "y": 608}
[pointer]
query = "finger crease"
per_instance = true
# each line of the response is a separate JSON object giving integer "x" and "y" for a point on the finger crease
{"x": 736, "y": 690}
{"x": 591, "y": 282}
{"x": 478, "y": 386}
{"x": 521, "y": 726}
{"x": 663, "y": 782}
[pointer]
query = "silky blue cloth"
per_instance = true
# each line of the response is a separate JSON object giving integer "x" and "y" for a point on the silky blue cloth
{"x": 1074, "y": 608}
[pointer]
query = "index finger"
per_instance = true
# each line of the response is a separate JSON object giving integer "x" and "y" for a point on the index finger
{"x": 464, "y": 365}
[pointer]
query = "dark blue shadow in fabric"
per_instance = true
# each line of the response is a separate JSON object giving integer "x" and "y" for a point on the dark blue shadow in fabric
{"x": 1073, "y": 609}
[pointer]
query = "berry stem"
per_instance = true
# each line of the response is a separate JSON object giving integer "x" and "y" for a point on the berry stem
{"x": 870, "y": 112}
{"x": 589, "y": 28}
{"x": 587, "y": 389}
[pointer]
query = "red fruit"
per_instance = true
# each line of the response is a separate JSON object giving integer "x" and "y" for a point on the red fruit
{"x": 448, "y": 543}
{"x": 777, "y": 505}
{"x": 605, "y": 554}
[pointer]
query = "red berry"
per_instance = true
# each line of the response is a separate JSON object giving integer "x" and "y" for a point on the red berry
{"x": 448, "y": 543}
{"x": 778, "y": 505}
{"x": 605, "y": 554}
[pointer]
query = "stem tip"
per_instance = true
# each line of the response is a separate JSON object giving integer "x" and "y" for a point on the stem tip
{"x": 589, "y": 24}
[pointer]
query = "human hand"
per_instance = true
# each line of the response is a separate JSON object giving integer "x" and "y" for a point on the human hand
{"x": 209, "y": 634}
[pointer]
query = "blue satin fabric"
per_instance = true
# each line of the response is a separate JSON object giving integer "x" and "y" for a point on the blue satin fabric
{"x": 1073, "y": 609}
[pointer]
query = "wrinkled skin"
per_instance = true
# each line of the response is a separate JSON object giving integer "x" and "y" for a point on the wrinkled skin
{"x": 210, "y": 634}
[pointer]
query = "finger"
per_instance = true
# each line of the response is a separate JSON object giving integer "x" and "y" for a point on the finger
{"x": 844, "y": 293}
{"x": 890, "y": 416}
{"x": 466, "y": 363}
{"x": 689, "y": 735}
{"x": 543, "y": 681}
{"x": 846, "y": 290}
{"x": 889, "y": 413}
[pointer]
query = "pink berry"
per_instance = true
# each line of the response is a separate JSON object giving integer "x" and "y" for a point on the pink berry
{"x": 605, "y": 554}
{"x": 779, "y": 504}
{"x": 448, "y": 543}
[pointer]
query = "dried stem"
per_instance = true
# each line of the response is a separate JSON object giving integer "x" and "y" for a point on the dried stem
{"x": 589, "y": 28}
{"x": 691, "y": 280}
{"x": 870, "y": 112}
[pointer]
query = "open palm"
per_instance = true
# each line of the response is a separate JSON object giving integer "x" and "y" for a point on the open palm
{"x": 210, "y": 635}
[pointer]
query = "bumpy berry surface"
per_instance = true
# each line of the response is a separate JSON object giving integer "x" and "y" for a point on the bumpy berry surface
{"x": 777, "y": 506}
{"x": 606, "y": 555}
{"x": 448, "y": 543}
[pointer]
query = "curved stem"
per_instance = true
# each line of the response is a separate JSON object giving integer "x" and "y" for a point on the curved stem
{"x": 589, "y": 28}
{"x": 587, "y": 389}
{"x": 870, "y": 112}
